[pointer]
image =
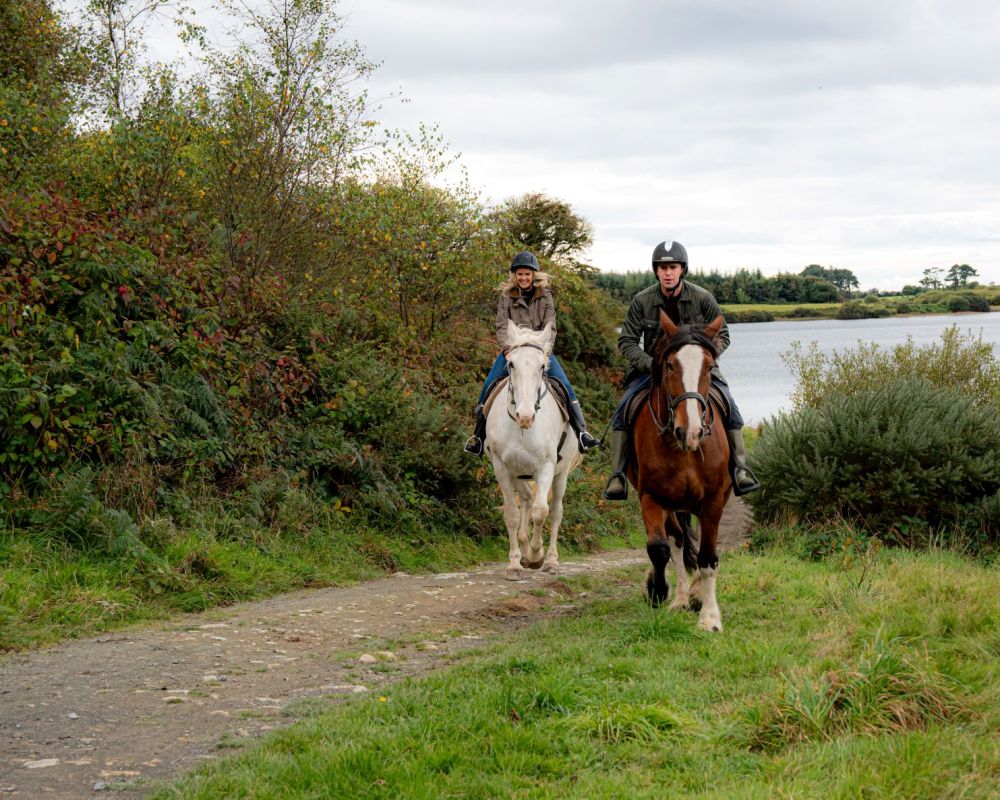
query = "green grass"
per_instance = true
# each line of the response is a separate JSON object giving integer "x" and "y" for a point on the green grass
{"x": 828, "y": 683}
{"x": 217, "y": 555}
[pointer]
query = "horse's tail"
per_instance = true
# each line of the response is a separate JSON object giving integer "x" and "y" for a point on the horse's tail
{"x": 692, "y": 541}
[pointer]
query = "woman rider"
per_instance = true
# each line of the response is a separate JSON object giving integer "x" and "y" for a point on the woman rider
{"x": 526, "y": 299}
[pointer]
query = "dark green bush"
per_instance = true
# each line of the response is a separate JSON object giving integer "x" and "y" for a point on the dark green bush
{"x": 883, "y": 459}
{"x": 754, "y": 315}
{"x": 853, "y": 309}
{"x": 959, "y": 302}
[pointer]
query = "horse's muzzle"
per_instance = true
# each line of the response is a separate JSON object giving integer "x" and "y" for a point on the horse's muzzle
{"x": 688, "y": 438}
{"x": 524, "y": 421}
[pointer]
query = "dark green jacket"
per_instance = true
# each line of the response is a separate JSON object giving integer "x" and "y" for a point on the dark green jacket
{"x": 643, "y": 322}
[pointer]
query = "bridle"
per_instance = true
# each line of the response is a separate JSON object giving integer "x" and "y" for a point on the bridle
{"x": 543, "y": 388}
{"x": 707, "y": 411}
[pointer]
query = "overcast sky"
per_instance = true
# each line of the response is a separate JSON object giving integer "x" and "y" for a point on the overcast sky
{"x": 769, "y": 134}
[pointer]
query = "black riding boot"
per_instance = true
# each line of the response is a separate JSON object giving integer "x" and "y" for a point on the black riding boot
{"x": 475, "y": 443}
{"x": 744, "y": 481}
{"x": 583, "y": 437}
{"x": 617, "y": 488}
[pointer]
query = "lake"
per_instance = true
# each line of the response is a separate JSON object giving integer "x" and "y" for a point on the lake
{"x": 762, "y": 384}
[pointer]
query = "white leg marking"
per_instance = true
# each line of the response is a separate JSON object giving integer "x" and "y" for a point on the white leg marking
{"x": 682, "y": 586}
{"x": 710, "y": 618}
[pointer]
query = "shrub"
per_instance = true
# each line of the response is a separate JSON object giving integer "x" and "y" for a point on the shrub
{"x": 883, "y": 458}
{"x": 963, "y": 361}
{"x": 958, "y": 303}
{"x": 749, "y": 316}
{"x": 854, "y": 309}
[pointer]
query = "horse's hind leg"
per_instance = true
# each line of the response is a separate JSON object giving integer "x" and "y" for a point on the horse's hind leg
{"x": 653, "y": 515}
{"x": 676, "y": 535}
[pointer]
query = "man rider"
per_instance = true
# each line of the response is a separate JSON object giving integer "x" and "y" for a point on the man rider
{"x": 684, "y": 303}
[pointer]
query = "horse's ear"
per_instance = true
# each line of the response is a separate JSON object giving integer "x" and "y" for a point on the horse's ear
{"x": 511, "y": 331}
{"x": 713, "y": 328}
{"x": 667, "y": 324}
{"x": 550, "y": 337}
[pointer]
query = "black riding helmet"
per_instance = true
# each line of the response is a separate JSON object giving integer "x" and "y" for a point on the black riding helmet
{"x": 670, "y": 253}
{"x": 524, "y": 260}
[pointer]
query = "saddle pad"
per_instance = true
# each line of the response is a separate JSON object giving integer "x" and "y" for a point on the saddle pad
{"x": 557, "y": 390}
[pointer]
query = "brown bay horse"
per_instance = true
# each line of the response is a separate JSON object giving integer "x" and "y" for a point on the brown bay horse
{"x": 681, "y": 467}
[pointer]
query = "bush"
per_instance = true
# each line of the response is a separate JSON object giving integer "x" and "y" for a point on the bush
{"x": 958, "y": 303}
{"x": 853, "y": 309}
{"x": 749, "y": 316}
{"x": 884, "y": 458}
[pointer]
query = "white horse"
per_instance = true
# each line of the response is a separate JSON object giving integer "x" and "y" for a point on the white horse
{"x": 532, "y": 449}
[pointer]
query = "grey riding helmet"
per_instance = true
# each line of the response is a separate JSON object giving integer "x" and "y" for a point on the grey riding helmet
{"x": 524, "y": 260}
{"x": 670, "y": 253}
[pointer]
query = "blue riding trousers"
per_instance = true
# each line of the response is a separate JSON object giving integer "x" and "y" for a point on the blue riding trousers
{"x": 499, "y": 370}
{"x": 734, "y": 423}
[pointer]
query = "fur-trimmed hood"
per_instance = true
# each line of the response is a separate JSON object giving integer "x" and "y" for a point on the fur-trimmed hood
{"x": 509, "y": 287}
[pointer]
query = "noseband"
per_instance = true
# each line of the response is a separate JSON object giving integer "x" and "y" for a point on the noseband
{"x": 706, "y": 410}
{"x": 543, "y": 389}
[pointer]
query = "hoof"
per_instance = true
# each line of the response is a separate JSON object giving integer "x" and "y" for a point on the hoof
{"x": 515, "y": 574}
{"x": 531, "y": 564}
{"x": 657, "y": 596}
{"x": 551, "y": 569}
{"x": 712, "y": 625}
{"x": 680, "y": 605}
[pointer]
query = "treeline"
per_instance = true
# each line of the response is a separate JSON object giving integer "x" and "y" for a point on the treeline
{"x": 814, "y": 284}
{"x": 215, "y": 283}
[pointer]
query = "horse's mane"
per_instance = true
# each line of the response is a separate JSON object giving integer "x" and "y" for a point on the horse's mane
{"x": 686, "y": 334}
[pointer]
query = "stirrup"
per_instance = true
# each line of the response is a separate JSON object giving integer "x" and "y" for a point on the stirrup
{"x": 752, "y": 486}
{"x": 474, "y": 445}
{"x": 587, "y": 441}
{"x": 617, "y": 494}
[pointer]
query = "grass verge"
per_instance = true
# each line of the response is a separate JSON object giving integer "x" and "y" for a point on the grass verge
{"x": 826, "y": 683}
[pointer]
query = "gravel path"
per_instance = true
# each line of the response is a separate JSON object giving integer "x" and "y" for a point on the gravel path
{"x": 123, "y": 710}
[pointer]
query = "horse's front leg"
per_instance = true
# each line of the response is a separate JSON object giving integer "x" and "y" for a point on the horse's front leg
{"x": 703, "y": 589}
{"x": 551, "y": 564}
{"x": 675, "y": 538}
{"x": 512, "y": 518}
{"x": 539, "y": 513}
{"x": 654, "y": 515}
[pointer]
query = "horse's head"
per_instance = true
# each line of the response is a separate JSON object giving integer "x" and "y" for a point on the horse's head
{"x": 682, "y": 362}
{"x": 527, "y": 362}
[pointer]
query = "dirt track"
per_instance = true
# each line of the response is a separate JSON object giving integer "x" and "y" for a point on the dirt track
{"x": 122, "y": 710}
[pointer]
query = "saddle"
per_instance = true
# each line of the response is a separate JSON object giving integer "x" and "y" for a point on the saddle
{"x": 556, "y": 389}
{"x": 634, "y": 407}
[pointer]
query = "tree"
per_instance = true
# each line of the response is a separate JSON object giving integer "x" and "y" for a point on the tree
{"x": 290, "y": 115}
{"x": 39, "y": 72}
{"x": 959, "y": 274}
{"x": 843, "y": 279}
{"x": 932, "y": 278}
{"x": 546, "y": 226}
